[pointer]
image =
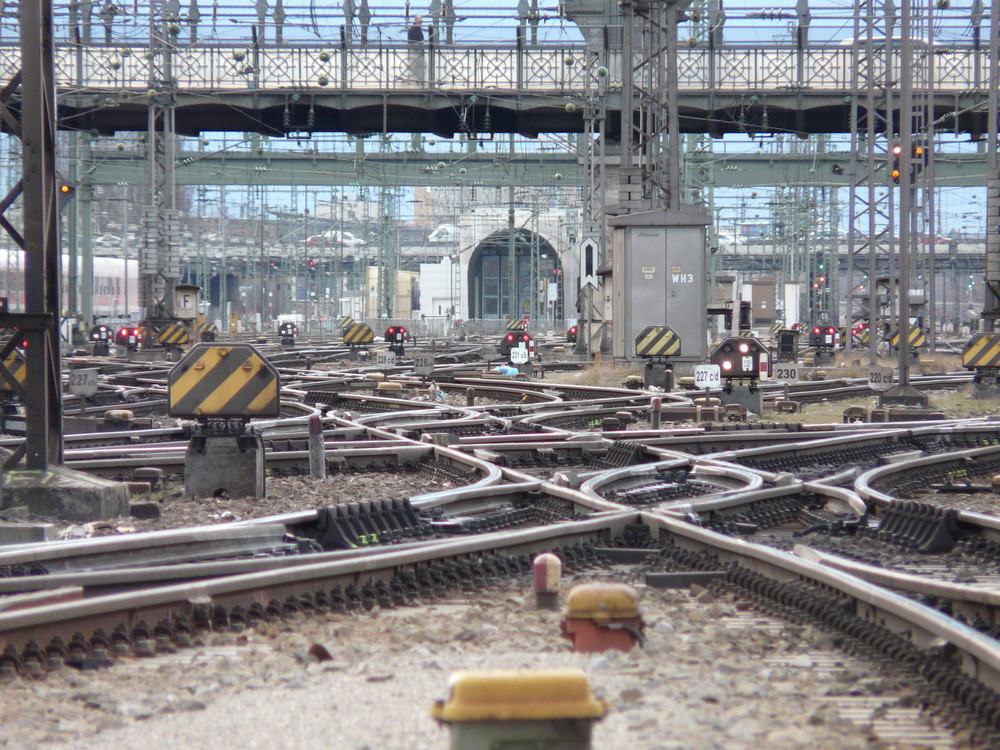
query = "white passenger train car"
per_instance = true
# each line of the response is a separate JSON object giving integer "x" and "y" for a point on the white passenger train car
{"x": 108, "y": 284}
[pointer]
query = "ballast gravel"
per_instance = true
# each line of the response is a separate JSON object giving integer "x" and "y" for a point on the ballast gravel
{"x": 709, "y": 677}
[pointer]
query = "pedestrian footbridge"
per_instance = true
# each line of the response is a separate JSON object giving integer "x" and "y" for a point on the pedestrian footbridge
{"x": 479, "y": 89}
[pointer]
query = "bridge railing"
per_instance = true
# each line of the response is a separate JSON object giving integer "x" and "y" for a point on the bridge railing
{"x": 555, "y": 69}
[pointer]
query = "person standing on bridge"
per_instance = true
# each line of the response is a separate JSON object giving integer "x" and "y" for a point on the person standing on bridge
{"x": 449, "y": 20}
{"x": 364, "y": 18}
{"x": 348, "y": 7}
{"x": 415, "y": 40}
{"x": 107, "y": 14}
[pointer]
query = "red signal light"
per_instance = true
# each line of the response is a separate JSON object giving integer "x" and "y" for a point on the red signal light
{"x": 572, "y": 329}
{"x": 744, "y": 348}
{"x": 831, "y": 330}
{"x": 510, "y": 337}
{"x": 402, "y": 330}
{"x": 392, "y": 331}
{"x": 525, "y": 337}
{"x": 817, "y": 331}
{"x": 727, "y": 365}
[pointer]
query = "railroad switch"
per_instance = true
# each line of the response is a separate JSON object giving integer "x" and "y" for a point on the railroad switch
{"x": 116, "y": 420}
{"x": 602, "y": 616}
{"x": 351, "y": 525}
{"x": 919, "y": 526}
{"x": 788, "y": 406}
{"x": 634, "y": 382}
{"x": 522, "y": 708}
{"x": 891, "y": 414}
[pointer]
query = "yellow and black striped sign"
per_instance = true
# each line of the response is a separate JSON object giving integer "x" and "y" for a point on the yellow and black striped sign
{"x": 864, "y": 336}
{"x": 173, "y": 335}
{"x": 346, "y": 321}
{"x": 359, "y": 333}
{"x": 982, "y": 350}
{"x": 517, "y": 324}
{"x": 17, "y": 367}
{"x": 223, "y": 380}
{"x": 917, "y": 338}
{"x": 657, "y": 341}
{"x": 207, "y": 330}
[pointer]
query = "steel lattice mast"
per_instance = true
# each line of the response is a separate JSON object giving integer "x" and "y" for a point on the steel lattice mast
{"x": 871, "y": 222}
{"x": 159, "y": 265}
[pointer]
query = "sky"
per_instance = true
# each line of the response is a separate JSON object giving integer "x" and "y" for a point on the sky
{"x": 318, "y": 22}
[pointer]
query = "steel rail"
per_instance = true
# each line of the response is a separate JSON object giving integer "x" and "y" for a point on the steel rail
{"x": 865, "y": 484}
{"x": 178, "y": 602}
{"x": 153, "y": 547}
{"x": 839, "y": 500}
{"x": 727, "y": 477}
{"x": 971, "y": 602}
{"x": 925, "y": 627}
{"x": 95, "y": 582}
{"x": 886, "y": 439}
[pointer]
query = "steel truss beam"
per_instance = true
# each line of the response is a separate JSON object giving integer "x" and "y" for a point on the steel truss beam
{"x": 594, "y": 235}
{"x": 991, "y": 304}
{"x": 332, "y": 169}
{"x": 159, "y": 267}
{"x": 388, "y": 248}
{"x": 39, "y": 239}
{"x": 650, "y": 123}
{"x": 872, "y": 220}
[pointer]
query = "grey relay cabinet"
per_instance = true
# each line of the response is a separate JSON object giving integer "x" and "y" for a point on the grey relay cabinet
{"x": 658, "y": 278}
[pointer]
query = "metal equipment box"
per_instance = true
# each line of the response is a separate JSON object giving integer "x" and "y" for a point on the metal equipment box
{"x": 659, "y": 278}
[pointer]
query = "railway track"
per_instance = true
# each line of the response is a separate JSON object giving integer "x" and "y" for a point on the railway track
{"x": 819, "y": 525}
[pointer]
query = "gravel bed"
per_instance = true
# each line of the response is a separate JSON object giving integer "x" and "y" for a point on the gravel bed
{"x": 977, "y": 502}
{"x": 284, "y": 495}
{"x": 456, "y": 399}
{"x": 710, "y": 676}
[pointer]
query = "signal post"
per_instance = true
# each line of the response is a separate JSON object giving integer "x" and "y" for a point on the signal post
{"x": 743, "y": 360}
{"x": 519, "y": 349}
